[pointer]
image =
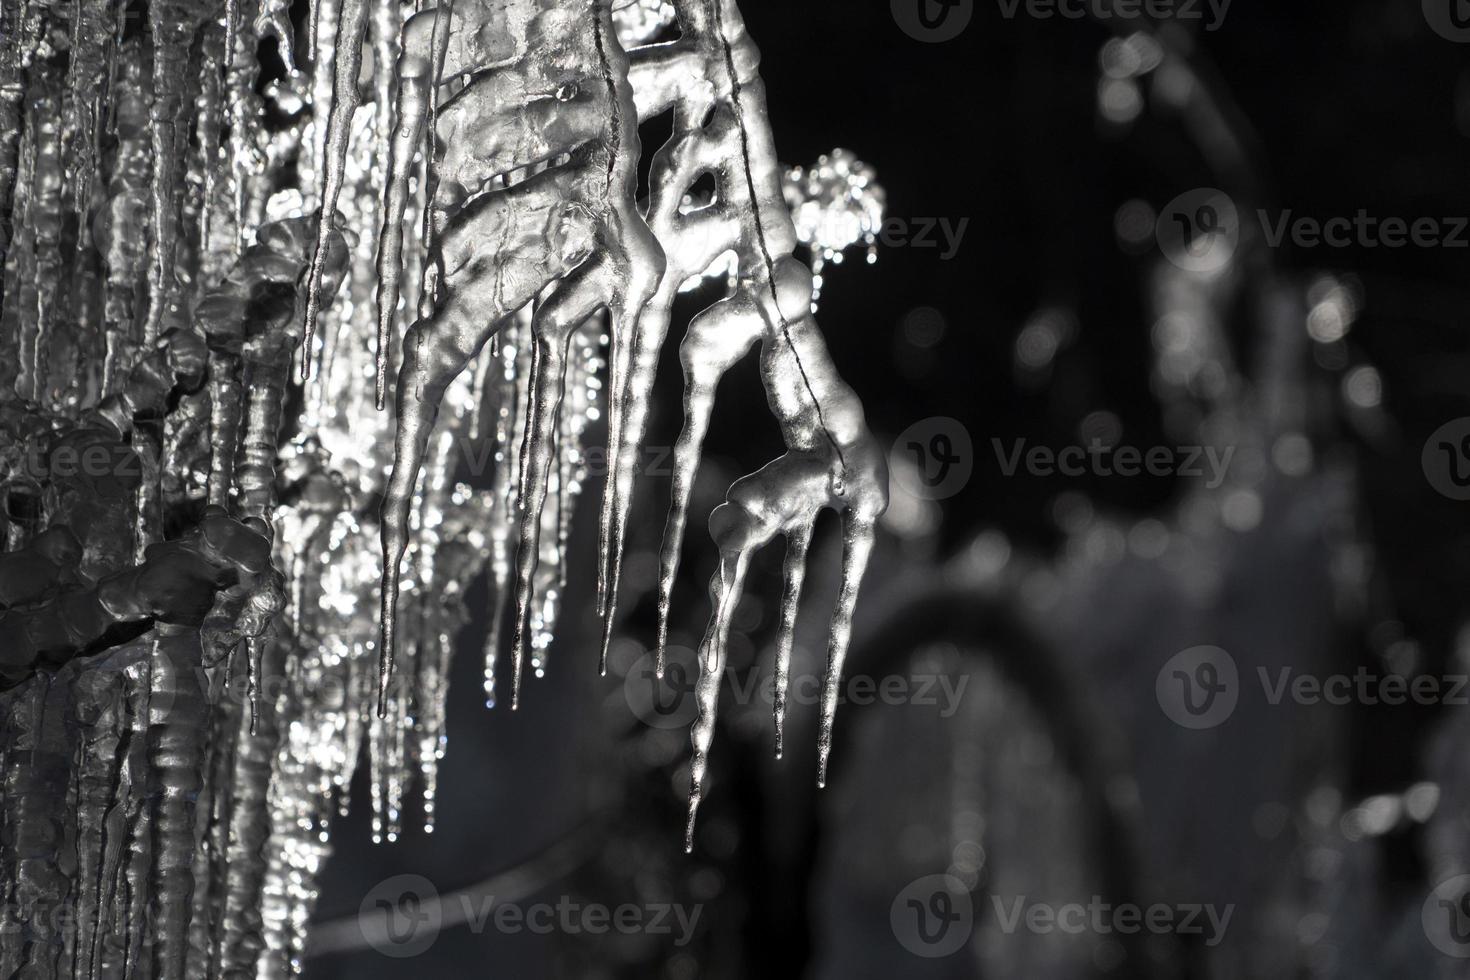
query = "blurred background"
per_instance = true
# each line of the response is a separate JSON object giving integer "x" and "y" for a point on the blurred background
{"x": 1070, "y": 687}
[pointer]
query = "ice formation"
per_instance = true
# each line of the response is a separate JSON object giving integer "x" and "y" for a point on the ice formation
{"x": 193, "y": 460}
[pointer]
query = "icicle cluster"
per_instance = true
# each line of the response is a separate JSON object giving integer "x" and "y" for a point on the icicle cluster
{"x": 214, "y": 234}
{"x": 832, "y": 461}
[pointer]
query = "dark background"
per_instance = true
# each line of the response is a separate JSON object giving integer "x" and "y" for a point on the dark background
{"x": 1340, "y": 106}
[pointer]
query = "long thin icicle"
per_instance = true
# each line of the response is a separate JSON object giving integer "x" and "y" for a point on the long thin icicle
{"x": 350, "y": 31}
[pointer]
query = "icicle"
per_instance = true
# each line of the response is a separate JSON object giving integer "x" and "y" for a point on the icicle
{"x": 86, "y": 80}
{"x": 385, "y": 28}
{"x": 245, "y": 162}
{"x": 580, "y": 405}
{"x": 211, "y": 865}
{"x": 17, "y": 318}
{"x": 626, "y": 418}
{"x": 857, "y": 545}
{"x": 232, "y": 29}
{"x": 254, "y": 654}
{"x": 439, "y": 37}
{"x": 100, "y": 717}
{"x": 717, "y": 339}
{"x": 725, "y": 589}
{"x": 794, "y": 573}
{"x": 617, "y": 386}
{"x": 44, "y": 218}
{"x": 224, "y": 436}
{"x": 386, "y": 752}
{"x": 175, "y": 738}
{"x": 430, "y": 717}
{"x": 13, "y": 709}
{"x": 513, "y": 360}
{"x": 411, "y": 107}
{"x": 172, "y": 26}
{"x": 124, "y": 241}
{"x": 34, "y": 270}
{"x": 344, "y": 102}
{"x": 241, "y": 940}
{"x": 20, "y": 32}
{"x": 35, "y": 784}
{"x": 551, "y": 329}
{"x": 215, "y": 45}
{"x": 422, "y": 704}
{"x": 129, "y": 853}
